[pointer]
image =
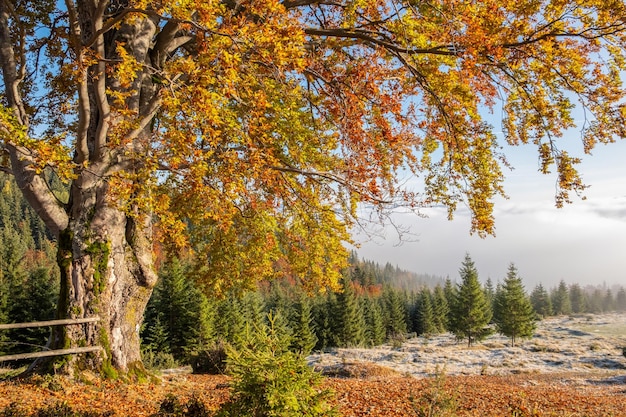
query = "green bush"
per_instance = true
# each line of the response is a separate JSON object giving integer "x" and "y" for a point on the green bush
{"x": 271, "y": 381}
{"x": 172, "y": 407}
{"x": 158, "y": 360}
{"x": 435, "y": 400}
{"x": 211, "y": 360}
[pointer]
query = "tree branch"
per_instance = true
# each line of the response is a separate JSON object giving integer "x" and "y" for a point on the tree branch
{"x": 367, "y": 37}
{"x": 84, "y": 108}
{"x": 36, "y": 191}
{"x": 334, "y": 178}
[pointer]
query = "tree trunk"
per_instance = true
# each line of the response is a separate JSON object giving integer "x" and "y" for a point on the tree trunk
{"x": 104, "y": 238}
{"x": 105, "y": 258}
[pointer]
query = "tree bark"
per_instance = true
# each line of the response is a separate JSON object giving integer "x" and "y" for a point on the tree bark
{"x": 104, "y": 246}
{"x": 103, "y": 273}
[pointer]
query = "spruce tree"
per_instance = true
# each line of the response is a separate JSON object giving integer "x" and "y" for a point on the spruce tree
{"x": 4, "y": 311}
{"x": 620, "y": 299}
{"x": 470, "y": 312}
{"x": 375, "y": 324}
{"x": 560, "y": 299}
{"x": 513, "y": 313}
{"x": 451, "y": 292}
{"x": 182, "y": 309}
{"x": 595, "y": 301}
{"x": 577, "y": 299}
{"x": 155, "y": 334}
{"x": 608, "y": 301}
{"x": 424, "y": 317}
{"x": 490, "y": 292}
{"x": 230, "y": 326}
{"x": 395, "y": 313}
{"x": 441, "y": 309}
{"x": 32, "y": 298}
{"x": 303, "y": 336}
{"x": 351, "y": 323}
{"x": 325, "y": 320}
{"x": 540, "y": 300}
{"x": 254, "y": 309}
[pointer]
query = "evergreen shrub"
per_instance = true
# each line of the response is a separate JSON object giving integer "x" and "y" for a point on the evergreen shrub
{"x": 172, "y": 407}
{"x": 210, "y": 360}
{"x": 153, "y": 360}
{"x": 269, "y": 380}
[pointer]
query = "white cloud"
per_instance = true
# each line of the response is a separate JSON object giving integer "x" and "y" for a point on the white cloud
{"x": 583, "y": 242}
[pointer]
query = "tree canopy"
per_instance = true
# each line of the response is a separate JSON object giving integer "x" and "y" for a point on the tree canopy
{"x": 250, "y": 132}
{"x": 241, "y": 118}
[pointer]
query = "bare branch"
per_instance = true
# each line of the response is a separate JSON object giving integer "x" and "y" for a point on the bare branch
{"x": 360, "y": 189}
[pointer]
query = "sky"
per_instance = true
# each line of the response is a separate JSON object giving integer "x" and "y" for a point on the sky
{"x": 583, "y": 242}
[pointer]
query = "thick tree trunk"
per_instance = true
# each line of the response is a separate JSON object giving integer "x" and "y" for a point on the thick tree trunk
{"x": 106, "y": 271}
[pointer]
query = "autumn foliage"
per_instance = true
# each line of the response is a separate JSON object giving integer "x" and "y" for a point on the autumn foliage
{"x": 250, "y": 134}
{"x": 269, "y": 115}
{"x": 392, "y": 396}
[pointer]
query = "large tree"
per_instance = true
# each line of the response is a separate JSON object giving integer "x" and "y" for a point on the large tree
{"x": 471, "y": 312}
{"x": 251, "y": 130}
{"x": 512, "y": 310}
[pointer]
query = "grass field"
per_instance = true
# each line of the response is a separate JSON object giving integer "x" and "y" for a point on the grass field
{"x": 604, "y": 329}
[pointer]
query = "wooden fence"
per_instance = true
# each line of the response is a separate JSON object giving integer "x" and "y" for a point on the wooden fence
{"x": 54, "y": 352}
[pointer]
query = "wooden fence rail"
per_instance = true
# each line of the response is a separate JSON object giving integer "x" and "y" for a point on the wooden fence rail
{"x": 54, "y": 352}
{"x": 62, "y": 322}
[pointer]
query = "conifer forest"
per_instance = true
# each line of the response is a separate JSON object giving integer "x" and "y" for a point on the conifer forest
{"x": 376, "y": 303}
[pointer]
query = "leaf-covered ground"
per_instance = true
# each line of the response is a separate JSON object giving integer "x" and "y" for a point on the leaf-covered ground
{"x": 387, "y": 395}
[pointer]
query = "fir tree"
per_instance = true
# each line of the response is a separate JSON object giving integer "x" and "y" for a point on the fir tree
{"x": 451, "y": 293}
{"x": 181, "y": 310}
{"x": 513, "y": 313}
{"x": 304, "y": 338}
{"x": 424, "y": 317}
{"x": 577, "y": 299}
{"x": 489, "y": 291}
{"x": 441, "y": 310}
{"x": 375, "y": 324}
{"x": 395, "y": 313}
{"x": 33, "y": 298}
{"x": 351, "y": 323}
{"x": 470, "y": 312}
{"x": 540, "y": 300}
{"x": 560, "y": 299}
{"x": 325, "y": 322}
{"x": 620, "y": 299}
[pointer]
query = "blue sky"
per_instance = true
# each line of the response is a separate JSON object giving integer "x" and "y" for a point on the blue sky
{"x": 584, "y": 242}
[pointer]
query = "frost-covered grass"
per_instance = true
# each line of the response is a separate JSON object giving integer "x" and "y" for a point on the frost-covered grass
{"x": 577, "y": 344}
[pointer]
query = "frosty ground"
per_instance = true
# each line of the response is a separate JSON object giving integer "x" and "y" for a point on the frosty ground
{"x": 576, "y": 344}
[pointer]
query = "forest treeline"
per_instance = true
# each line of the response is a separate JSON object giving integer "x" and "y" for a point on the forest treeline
{"x": 378, "y": 303}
